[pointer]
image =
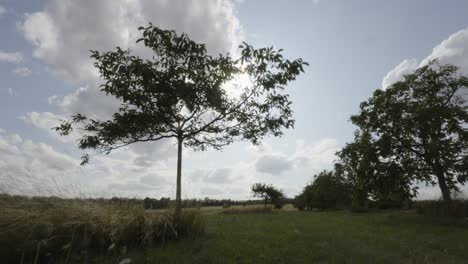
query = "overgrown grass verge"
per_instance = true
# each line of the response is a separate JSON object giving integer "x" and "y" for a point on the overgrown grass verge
{"x": 48, "y": 230}
{"x": 454, "y": 209}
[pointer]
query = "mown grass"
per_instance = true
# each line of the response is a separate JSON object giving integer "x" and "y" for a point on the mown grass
{"x": 316, "y": 237}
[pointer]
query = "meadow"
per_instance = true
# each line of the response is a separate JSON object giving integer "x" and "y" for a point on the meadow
{"x": 54, "y": 230}
{"x": 290, "y": 236}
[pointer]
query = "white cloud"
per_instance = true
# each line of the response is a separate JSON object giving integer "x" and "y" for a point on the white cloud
{"x": 453, "y": 50}
{"x": 62, "y": 38}
{"x": 11, "y": 57}
{"x": 317, "y": 156}
{"x": 153, "y": 180}
{"x": 27, "y": 167}
{"x": 274, "y": 164}
{"x": 34, "y": 168}
{"x": 397, "y": 73}
{"x": 211, "y": 191}
{"x": 47, "y": 121}
{"x": 220, "y": 176}
{"x": 22, "y": 71}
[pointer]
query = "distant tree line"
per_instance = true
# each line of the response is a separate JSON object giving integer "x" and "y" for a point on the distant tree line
{"x": 147, "y": 203}
{"x": 152, "y": 203}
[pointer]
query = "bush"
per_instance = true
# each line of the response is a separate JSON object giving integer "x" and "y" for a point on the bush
{"x": 48, "y": 230}
{"x": 454, "y": 209}
{"x": 327, "y": 191}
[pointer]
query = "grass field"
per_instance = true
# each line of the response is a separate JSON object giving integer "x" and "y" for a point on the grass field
{"x": 314, "y": 237}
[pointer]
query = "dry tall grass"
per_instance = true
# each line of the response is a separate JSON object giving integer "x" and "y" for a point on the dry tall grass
{"x": 44, "y": 230}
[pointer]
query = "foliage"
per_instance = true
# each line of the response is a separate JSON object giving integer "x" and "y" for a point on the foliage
{"x": 415, "y": 130}
{"x": 181, "y": 93}
{"x": 268, "y": 193}
{"x": 327, "y": 191}
{"x": 299, "y": 202}
{"x": 46, "y": 230}
{"x": 371, "y": 178}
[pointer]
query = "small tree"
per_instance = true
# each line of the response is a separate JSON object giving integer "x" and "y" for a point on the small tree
{"x": 181, "y": 93}
{"x": 420, "y": 126}
{"x": 268, "y": 193}
{"x": 328, "y": 190}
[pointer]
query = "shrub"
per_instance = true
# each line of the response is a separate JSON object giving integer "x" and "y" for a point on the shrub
{"x": 327, "y": 191}
{"x": 47, "y": 230}
{"x": 454, "y": 209}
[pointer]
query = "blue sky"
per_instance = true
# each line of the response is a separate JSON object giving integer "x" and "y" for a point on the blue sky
{"x": 353, "y": 47}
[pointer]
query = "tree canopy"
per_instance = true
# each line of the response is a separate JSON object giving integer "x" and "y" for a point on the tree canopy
{"x": 268, "y": 193}
{"x": 415, "y": 130}
{"x": 182, "y": 92}
{"x": 328, "y": 190}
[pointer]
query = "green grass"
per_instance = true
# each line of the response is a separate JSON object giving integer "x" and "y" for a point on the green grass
{"x": 315, "y": 237}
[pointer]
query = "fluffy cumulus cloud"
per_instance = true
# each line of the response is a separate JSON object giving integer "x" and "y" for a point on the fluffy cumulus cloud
{"x": 397, "y": 73}
{"x": 10, "y": 57}
{"x": 63, "y": 33}
{"x": 34, "y": 168}
{"x": 453, "y": 50}
{"x": 274, "y": 164}
{"x": 28, "y": 167}
{"x": 316, "y": 156}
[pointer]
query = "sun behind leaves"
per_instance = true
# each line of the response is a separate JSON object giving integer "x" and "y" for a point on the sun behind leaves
{"x": 181, "y": 93}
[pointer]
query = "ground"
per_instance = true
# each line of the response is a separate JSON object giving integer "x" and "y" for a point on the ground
{"x": 314, "y": 237}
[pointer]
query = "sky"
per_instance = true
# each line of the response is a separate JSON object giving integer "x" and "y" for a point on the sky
{"x": 353, "y": 48}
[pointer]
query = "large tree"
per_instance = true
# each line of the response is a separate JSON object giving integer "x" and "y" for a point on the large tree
{"x": 182, "y": 92}
{"x": 419, "y": 125}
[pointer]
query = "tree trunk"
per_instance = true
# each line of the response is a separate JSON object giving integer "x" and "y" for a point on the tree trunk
{"x": 440, "y": 174}
{"x": 179, "y": 175}
{"x": 444, "y": 188}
